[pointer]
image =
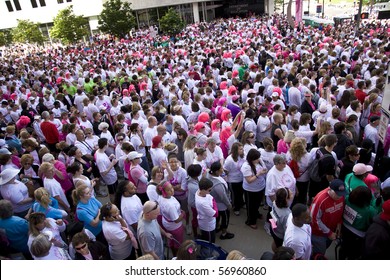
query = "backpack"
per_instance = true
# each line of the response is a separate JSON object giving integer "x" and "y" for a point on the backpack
{"x": 294, "y": 168}
{"x": 314, "y": 167}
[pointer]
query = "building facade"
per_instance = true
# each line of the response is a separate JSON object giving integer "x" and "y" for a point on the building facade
{"x": 147, "y": 12}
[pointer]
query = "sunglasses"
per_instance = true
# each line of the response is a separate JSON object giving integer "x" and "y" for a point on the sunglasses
{"x": 82, "y": 247}
{"x": 120, "y": 139}
{"x": 154, "y": 208}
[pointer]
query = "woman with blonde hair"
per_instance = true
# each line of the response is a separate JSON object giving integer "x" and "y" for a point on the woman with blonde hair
{"x": 53, "y": 186}
{"x": 248, "y": 140}
{"x": 189, "y": 154}
{"x": 325, "y": 129}
{"x": 38, "y": 224}
{"x": 60, "y": 174}
{"x": 31, "y": 147}
{"x": 47, "y": 204}
{"x": 298, "y": 154}
{"x": 88, "y": 211}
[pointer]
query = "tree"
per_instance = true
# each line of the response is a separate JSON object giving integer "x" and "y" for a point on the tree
{"x": 27, "y": 32}
{"x": 171, "y": 22}
{"x": 116, "y": 18}
{"x": 5, "y": 37}
{"x": 68, "y": 27}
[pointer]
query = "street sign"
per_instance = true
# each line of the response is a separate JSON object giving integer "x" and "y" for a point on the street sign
{"x": 382, "y": 128}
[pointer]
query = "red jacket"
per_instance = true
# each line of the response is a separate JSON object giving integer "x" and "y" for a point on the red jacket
{"x": 360, "y": 95}
{"x": 326, "y": 213}
{"x": 50, "y": 132}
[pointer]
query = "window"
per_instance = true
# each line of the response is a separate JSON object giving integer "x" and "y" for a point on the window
{"x": 60, "y": 1}
{"x": 34, "y": 3}
{"x": 9, "y": 6}
{"x": 42, "y": 2}
{"x": 17, "y": 5}
{"x": 68, "y": 1}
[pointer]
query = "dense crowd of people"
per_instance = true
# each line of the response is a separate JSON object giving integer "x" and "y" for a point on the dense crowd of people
{"x": 227, "y": 118}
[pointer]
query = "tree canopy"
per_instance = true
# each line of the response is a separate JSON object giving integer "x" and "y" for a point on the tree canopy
{"x": 68, "y": 27}
{"x": 116, "y": 18}
{"x": 171, "y": 22}
{"x": 27, "y": 32}
{"x": 5, "y": 37}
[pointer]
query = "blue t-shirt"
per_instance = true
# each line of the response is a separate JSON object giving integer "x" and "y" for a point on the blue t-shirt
{"x": 16, "y": 230}
{"x": 87, "y": 212}
{"x": 51, "y": 212}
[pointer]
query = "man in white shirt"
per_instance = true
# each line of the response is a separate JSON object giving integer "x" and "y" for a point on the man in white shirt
{"x": 298, "y": 232}
{"x": 263, "y": 125}
{"x": 371, "y": 131}
{"x": 294, "y": 94}
{"x": 150, "y": 131}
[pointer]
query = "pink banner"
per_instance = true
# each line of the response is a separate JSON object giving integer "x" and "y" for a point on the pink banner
{"x": 298, "y": 11}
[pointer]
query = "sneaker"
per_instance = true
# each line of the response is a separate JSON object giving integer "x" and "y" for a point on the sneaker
{"x": 237, "y": 213}
{"x": 227, "y": 235}
{"x": 188, "y": 229}
{"x": 101, "y": 193}
{"x": 267, "y": 228}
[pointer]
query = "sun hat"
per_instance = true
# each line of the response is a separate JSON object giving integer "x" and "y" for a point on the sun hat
{"x": 134, "y": 155}
{"x": 5, "y": 151}
{"x": 103, "y": 125}
{"x": 7, "y": 175}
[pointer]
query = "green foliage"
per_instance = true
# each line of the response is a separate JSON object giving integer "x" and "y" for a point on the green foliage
{"x": 171, "y": 22}
{"x": 5, "y": 37}
{"x": 27, "y": 32}
{"x": 116, "y": 18}
{"x": 68, "y": 27}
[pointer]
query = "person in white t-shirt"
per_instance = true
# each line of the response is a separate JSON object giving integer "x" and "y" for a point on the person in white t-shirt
{"x": 120, "y": 238}
{"x": 129, "y": 203}
{"x": 298, "y": 232}
{"x": 207, "y": 210}
{"x": 232, "y": 167}
{"x": 172, "y": 215}
{"x": 177, "y": 176}
{"x": 156, "y": 152}
{"x": 214, "y": 152}
{"x": 253, "y": 170}
{"x": 279, "y": 176}
{"x": 106, "y": 168}
{"x": 53, "y": 187}
{"x": 263, "y": 125}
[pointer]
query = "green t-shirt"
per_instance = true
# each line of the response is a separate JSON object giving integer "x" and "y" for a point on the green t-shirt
{"x": 70, "y": 89}
{"x": 352, "y": 182}
{"x": 358, "y": 218}
{"x": 88, "y": 87}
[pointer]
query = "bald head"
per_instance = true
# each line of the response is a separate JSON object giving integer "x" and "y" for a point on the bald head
{"x": 150, "y": 210}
